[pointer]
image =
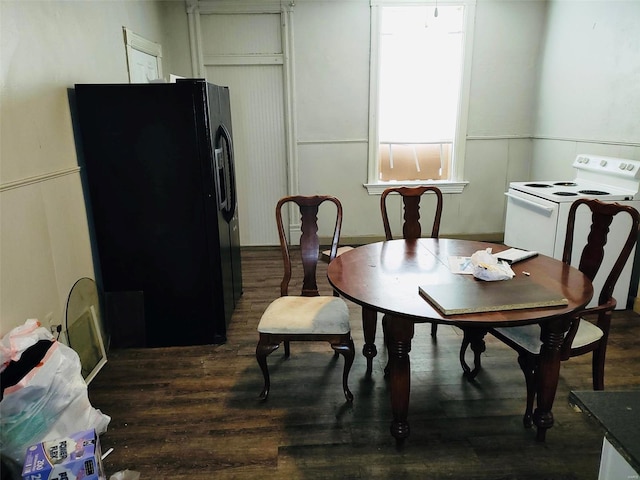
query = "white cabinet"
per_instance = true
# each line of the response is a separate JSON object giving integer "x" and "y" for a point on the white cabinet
{"x": 618, "y": 414}
{"x": 613, "y": 465}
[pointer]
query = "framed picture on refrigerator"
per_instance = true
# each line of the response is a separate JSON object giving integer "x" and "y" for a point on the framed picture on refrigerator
{"x": 144, "y": 58}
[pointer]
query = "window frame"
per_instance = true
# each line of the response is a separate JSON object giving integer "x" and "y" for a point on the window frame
{"x": 456, "y": 183}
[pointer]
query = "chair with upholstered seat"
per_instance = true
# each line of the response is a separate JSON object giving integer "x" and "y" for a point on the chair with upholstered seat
{"x": 411, "y": 228}
{"x": 308, "y": 316}
{"x": 583, "y": 336}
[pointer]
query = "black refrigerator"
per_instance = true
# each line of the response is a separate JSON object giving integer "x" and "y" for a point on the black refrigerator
{"x": 158, "y": 170}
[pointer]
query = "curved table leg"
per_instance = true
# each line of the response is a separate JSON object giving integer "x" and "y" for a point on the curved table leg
{"x": 400, "y": 333}
{"x": 369, "y": 324}
{"x": 552, "y": 335}
{"x": 475, "y": 338}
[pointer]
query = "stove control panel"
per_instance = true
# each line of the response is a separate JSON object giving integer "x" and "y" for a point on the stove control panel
{"x": 608, "y": 165}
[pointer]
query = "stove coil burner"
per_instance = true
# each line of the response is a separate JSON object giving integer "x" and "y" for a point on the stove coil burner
{"x": 593, "y": 192}
{"x": 538, "y": 185}
{"x": 566, "y": 184}
{"x": 565, "y": 194}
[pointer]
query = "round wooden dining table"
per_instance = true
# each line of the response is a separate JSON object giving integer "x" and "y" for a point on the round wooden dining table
{"x": 386, "y": 277}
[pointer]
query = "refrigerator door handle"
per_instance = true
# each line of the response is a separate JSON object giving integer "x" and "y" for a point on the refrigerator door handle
{"x": 219, "y": 179}
{"x": 227, "y": 161}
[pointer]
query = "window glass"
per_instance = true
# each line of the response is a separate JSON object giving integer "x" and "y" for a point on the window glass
{"x": 420, "y": 66}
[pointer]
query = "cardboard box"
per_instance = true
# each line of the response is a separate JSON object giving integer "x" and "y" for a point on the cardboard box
{"x": 72, "y": 458}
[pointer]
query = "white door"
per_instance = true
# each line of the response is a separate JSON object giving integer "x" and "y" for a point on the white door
{"x": 244, "y": 52}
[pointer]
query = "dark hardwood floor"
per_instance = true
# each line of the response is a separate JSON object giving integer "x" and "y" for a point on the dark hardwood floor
{"x": 193, "y": 412}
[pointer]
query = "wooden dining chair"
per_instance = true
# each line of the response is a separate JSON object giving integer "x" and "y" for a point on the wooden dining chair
{"x": 411, "y": 227}
{"x": 589, "y": 330}
{"x": 308, "y": 316}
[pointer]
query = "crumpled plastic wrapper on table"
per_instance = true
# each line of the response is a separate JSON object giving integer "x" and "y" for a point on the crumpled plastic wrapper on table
{"x": 489, "y": 268}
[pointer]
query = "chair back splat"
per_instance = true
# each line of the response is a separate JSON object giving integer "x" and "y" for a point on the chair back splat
{"x": 411, "y": 197}
{"x": 309, "y": 241}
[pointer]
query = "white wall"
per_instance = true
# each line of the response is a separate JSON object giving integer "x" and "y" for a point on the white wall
{"x": 589, "y": 99}
{"x": 47, "y": 47}
{"x": 331, "y": 52}
{"x": 505, "y": 67}
{"x": 503, "y": 93}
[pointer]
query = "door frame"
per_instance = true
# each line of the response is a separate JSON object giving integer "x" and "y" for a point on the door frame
{"x": 195, "y": 9}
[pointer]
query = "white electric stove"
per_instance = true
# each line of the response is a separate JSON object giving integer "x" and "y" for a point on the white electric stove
{"x": 537, "y": 213}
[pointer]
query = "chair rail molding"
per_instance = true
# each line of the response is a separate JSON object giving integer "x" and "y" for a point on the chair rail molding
{"x": 23, "y": 182}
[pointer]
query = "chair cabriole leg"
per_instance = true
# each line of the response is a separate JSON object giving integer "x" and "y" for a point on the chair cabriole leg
{"x": 347, "y": 350}
{"x": 528, "y": 366}
{"x": 263, "y": 349}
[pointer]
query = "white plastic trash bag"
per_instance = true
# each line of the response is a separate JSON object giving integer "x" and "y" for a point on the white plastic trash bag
{"x": 50, "y": 401}
{"x": 19, "y": 339}
{"x": 489, "y": 268}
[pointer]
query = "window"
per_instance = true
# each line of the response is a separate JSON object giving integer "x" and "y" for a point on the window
{"x": 419, "y": 94}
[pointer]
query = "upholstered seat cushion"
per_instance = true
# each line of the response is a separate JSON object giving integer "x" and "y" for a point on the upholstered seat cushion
{"x": 528, "y": 336}
{"x": 300, "y": 315}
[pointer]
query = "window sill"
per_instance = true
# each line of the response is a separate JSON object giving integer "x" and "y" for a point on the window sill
{"x": 445, "y": 186}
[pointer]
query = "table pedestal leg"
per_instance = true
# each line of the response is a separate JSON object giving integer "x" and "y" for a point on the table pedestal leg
{"x": 552, "y": 335}
{"x": 369, "y": 324}
{"x": 400, "y": 333}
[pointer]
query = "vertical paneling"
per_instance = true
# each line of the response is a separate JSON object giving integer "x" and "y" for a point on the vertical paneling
{"x": 259, "y": 145}
{"x": 257, "y": 110}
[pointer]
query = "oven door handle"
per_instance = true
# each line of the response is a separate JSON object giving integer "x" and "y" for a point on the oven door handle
{"x": 530, "y": 203}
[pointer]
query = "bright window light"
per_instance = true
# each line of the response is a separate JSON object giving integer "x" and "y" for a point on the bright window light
{"x": 420, "y": 73}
